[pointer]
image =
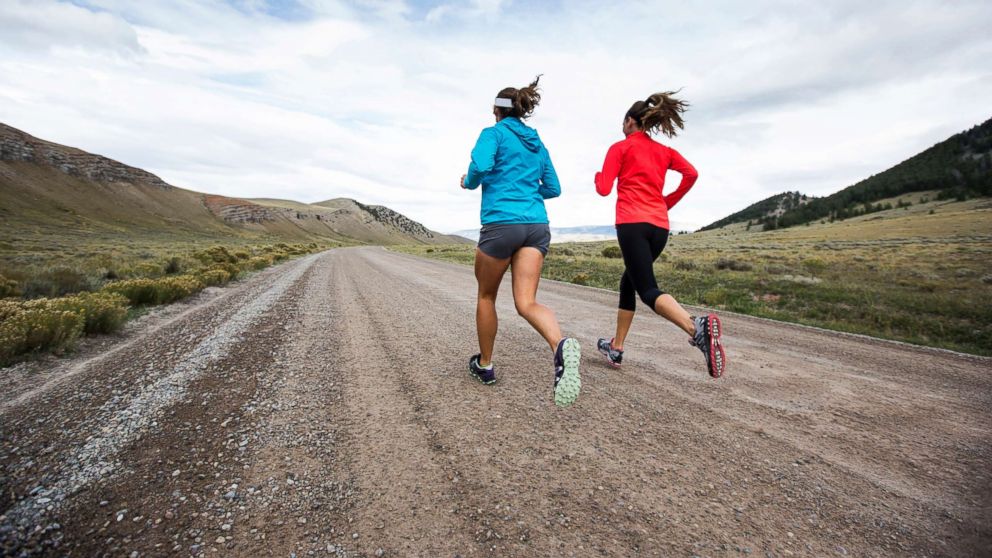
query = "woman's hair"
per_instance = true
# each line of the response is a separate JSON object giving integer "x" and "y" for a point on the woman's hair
{"x": 525, "y": 100}
{"x": 661, "y": 111}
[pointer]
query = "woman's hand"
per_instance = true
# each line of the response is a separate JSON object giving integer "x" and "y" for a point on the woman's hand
{"x": 462, "y": 182}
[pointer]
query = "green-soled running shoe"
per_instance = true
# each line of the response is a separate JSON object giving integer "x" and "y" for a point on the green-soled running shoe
{"x": 567, "y": 380}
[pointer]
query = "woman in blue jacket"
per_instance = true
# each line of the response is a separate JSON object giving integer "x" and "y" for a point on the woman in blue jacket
{"x": 515, "y": 172}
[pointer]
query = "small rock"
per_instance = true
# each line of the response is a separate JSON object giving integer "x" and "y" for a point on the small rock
{"x": 354, "y": 535}
{"x": 175, "y": 473}
{"x": 104, "y": 503}
{"x": 379, "y": 552}
{"x": 302, "y": 521}
{"x": 225, "y": 527}
{"x": 169, "y": 514}
{"x": 220, "y": 540}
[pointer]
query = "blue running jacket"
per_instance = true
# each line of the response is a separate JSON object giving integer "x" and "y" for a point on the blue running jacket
{"x": 515, "y": 172}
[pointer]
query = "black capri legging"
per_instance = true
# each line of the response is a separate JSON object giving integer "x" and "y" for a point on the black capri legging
{"x": 641, "y": 244}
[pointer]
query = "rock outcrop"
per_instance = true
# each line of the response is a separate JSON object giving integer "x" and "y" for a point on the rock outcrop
{"x": 16, "y": 145}
{"x": 399, "y": 221}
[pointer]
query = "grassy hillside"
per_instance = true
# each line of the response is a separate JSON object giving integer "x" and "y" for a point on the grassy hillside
{"x": 756, "y": 212}
{"x": 958, "y": 168}
{"x": 51, "y": 191}
{"x": 70, "y": 221}
{"x": 920, "y": 274}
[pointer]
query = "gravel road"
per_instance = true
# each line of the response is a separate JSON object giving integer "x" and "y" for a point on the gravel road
{"x": 322, "y": 408}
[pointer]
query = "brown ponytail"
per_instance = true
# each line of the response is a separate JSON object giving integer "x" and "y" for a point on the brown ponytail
{"x": 525, "y": 100}
{"x": 661, "y": 111}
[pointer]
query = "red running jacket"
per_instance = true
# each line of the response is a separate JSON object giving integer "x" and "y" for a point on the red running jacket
{"x": 640, "y": 163}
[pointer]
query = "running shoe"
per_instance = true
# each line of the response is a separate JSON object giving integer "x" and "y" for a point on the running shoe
{"x": 567, "y": 380}
{"x": 484, "y": 375}
{"x": 613, "y": 356}
{"x": 707, "y": 340}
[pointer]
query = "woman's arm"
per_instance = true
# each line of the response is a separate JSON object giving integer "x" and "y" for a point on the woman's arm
{"x": 611, "y": 168}
{"x": 550, "y": 187}
{"x": 483, "y": 158}
{"x": 689, "y": 176}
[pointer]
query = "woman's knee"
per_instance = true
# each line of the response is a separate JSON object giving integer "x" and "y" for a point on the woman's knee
{"x": 524, "y": 306}
{"x": 649, "y": 296}
{"x": 487, "y": 297}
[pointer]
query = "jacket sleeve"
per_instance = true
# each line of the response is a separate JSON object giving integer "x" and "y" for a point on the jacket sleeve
{"x": 550, "y": 187}
{"x": 689, "y": 176}
{"x": 483, "y": 158}
{"x": 611, "y": 168}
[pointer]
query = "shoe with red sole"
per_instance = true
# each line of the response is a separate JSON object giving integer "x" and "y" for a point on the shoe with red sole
{"x": 707, "y": 339}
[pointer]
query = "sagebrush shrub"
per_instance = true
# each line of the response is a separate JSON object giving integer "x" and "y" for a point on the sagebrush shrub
{"x": 259, "y": 262}
{"x": 217, "y": 254}
{"x": 101, "y": 312}
{"x": 175, "y": 288}
{"x": 732, "y": 264}
{"x": 35, "y": 325}
{"x": 612, "y": 252}
{"x": 58, "y": 281}
{"x": 173, "y": 266}
{"x": 8, "y": 287}
{"x": 214, "y": 277}
{"x": 147, "y": 269}
{"x": 156, "y": 291}
{"x": 138, "y": 291}
{"x": 232, "y": 269}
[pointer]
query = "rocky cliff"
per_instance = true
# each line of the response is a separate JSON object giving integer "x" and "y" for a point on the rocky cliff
{"x": 16, "y": 145}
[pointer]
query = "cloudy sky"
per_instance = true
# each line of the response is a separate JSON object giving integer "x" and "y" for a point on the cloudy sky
{"x": 382, "y": 100}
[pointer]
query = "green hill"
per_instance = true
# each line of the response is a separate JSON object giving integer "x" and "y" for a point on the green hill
{"x": 959, "y": 167}
{"x": 775, "y": 205}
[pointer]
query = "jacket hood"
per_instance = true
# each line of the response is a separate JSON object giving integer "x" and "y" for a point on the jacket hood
{"x": 528, "y": 136}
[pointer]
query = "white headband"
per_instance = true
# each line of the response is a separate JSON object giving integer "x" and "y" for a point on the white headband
{"x": 503, "y": 102}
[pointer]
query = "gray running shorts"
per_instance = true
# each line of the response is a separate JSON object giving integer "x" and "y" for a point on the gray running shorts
{"x": 501, "y": 241}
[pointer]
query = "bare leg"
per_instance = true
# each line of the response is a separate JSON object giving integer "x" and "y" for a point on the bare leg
{"x": 624, "y": 319}
{"x": 527, "y": 263}
{"x": 667, "y": 307}
{"x": 489, "y": 273}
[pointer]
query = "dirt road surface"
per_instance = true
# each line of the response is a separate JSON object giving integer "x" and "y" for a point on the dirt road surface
{"x": 323, "y": 408}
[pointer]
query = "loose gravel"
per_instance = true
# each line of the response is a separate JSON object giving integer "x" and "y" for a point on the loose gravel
{"x": 323, "y": 408}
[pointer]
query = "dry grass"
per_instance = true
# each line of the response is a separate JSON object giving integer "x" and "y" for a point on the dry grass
{"x": 907, "y": 275}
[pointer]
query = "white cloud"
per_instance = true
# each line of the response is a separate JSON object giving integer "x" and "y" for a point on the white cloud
{"x": 381, "y": 100}
{"x": 29, "y": 25}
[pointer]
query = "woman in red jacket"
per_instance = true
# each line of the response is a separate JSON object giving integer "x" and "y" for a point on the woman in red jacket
{"x": 638, "y": 165}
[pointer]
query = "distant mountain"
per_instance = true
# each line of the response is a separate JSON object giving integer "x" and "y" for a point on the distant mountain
{"x": 959, "y": 167}
{"x": 47, "y": 188}
{"x": 573, "y": 234}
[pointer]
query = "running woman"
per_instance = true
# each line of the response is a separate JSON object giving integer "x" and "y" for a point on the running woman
{"x": 638, "y": 164}
{"x": 515, "y": 172}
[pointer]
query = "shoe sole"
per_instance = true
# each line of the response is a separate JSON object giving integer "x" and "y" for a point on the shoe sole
{"x": 718, "y": 358}
{"x": 567, "y": 390}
